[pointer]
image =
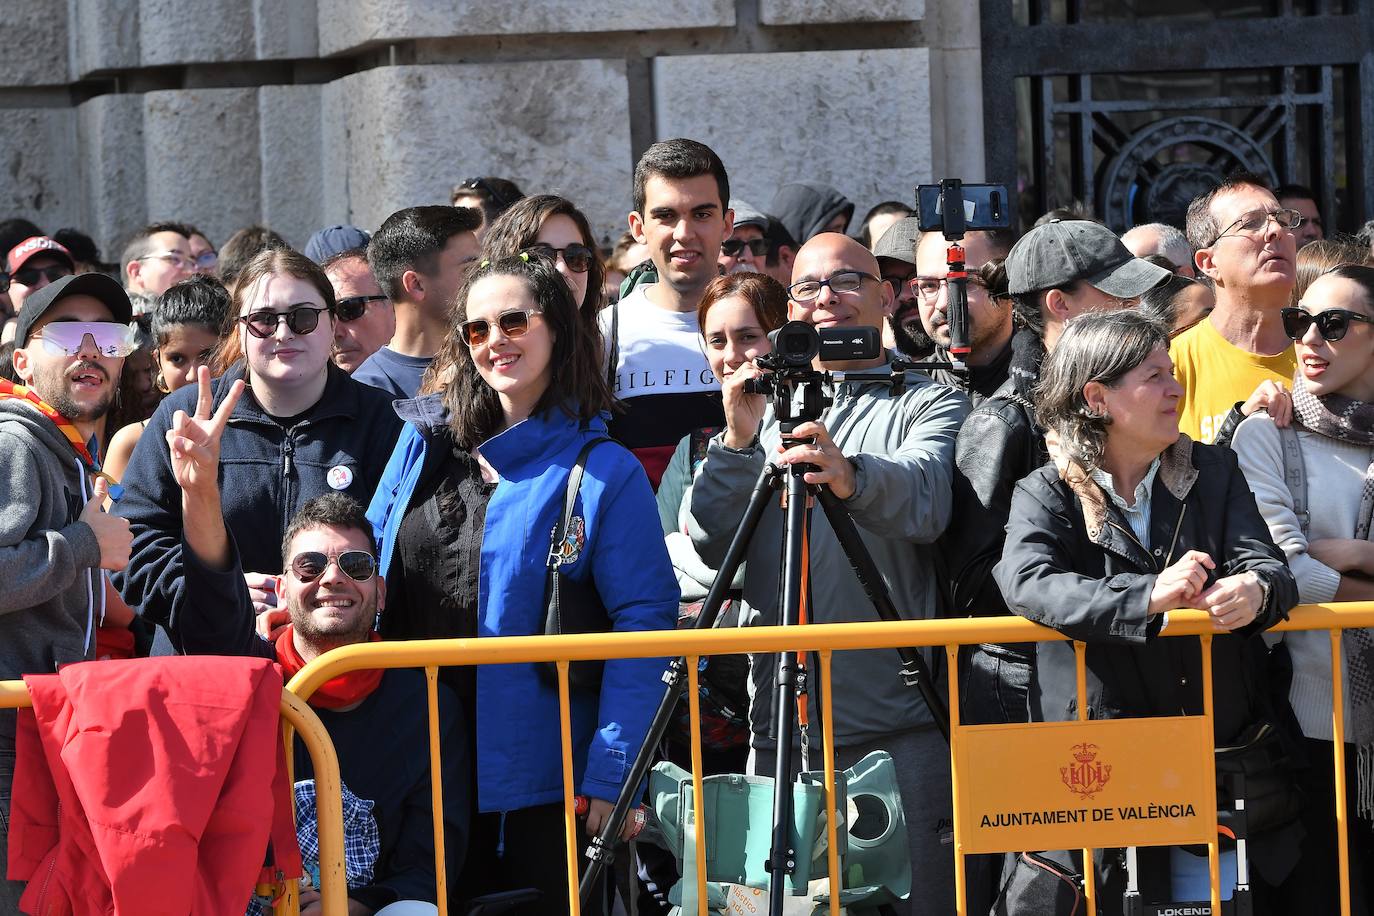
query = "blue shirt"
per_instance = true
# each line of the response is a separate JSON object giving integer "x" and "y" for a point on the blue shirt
{"x": 1138, "y": 515}
{"x": 393, "y": 372}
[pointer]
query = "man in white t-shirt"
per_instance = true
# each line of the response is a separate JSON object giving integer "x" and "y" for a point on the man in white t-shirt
{"x": 659, "y": 367}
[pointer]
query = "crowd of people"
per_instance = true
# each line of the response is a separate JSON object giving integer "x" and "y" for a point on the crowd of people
{"x": 265, "y": 452}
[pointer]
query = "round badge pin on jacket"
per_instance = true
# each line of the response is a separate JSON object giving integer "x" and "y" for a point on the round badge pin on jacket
{"x": 340, "y": 477}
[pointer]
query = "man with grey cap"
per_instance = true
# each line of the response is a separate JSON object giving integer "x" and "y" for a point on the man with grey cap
{"x": 896, "y": 254}
{"x": 55, "y": 537}
{"x": 1056, "y": 271}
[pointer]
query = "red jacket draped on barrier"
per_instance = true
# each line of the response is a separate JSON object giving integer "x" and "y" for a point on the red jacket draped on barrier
{"x": 150, "y": 786}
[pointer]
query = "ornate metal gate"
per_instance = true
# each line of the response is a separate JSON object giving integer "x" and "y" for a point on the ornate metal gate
{"x": 1134, "y": 106}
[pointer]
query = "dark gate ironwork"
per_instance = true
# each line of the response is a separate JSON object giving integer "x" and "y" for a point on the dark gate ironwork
{"x": 1134, "y": 106}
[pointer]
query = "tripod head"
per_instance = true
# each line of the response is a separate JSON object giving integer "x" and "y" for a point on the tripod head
{"x": 800, "y": 392}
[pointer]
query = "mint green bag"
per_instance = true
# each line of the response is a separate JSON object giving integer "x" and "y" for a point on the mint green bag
{"x": 875, "y": 863}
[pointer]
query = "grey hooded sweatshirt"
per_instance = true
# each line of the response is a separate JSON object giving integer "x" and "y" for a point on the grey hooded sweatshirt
{"x": 51, "y": 587}
{"x": 806, "y": 207}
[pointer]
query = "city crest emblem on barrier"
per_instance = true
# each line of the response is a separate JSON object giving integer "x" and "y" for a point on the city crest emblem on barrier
{"x": 1086, "y": 776}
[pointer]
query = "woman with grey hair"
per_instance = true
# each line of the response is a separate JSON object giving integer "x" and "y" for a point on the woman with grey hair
{"x": 1133, "y": 520}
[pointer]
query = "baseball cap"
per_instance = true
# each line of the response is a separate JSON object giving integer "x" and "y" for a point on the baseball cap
{"x": 899, "y": 241}
{"x": 36, "y": 245}
{"x": 746, "y": 214}
{"x": 99, "y": 286}
{"x": 328, "y": 242}
{"x": 1063, "y": 252}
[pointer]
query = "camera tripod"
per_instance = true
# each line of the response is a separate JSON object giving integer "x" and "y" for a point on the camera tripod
{"x": 797, "y": 507}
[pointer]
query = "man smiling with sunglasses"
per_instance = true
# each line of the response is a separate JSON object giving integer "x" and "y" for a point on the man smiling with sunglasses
{"x": 55, "y": 538}
{"x": 332, "y": 594}
{"x": 1246, "y": 247}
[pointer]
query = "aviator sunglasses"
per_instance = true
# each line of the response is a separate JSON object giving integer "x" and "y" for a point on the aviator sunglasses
{"x": 356, "y": 564}
{"x": 66, "y": 338}
{"x": 515, "y": 323}
{"x": 301, "y": 319}
{"x": 1331, "y": 324}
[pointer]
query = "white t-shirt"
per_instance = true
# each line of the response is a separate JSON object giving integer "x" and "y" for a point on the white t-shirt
{"x": 662, "y": 376}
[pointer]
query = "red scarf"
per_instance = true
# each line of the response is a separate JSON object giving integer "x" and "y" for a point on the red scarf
{"x": 344, "y": 690}
{"x": 12, "y": 390}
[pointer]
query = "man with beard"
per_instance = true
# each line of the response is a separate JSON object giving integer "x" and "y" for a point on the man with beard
{"x": 333, "y": 594}
{"x": 55, "y": 538}
{"x": 989, "y": 310}
{"x": 896, "y": 254}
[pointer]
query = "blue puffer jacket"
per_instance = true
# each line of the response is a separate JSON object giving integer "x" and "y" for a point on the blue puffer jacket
{"x": 518, "y": 755}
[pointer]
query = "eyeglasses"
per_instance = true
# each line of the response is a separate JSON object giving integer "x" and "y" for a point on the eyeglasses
{"x": 354, "y": 307}
{"x": 68, "y": 338}
{"x": 1256, "y": 220}
{"x": 928, "y": 288}
{"x": 180, "y": 261}
{"x": 301, "y": 319}
{"x": 577, "y": 257}
{"x": 29, "y": 276}
{"x": 356, "y": 564}
{"x": 733, "y": 248}
{"x": 846, "y": 281}
{"x": 515, "y": 323}
{"x": 1331, "y": 324}
{"x": 206, "y": 260}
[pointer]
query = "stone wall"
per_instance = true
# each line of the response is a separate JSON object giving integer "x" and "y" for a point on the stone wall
{"x": 303, "y": 113}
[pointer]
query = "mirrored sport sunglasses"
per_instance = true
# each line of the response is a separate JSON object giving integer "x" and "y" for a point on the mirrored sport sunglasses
{"x": 66, "y": 338}
{"x": 301, "y": 319}
{"x": 577, "y": 257}
{"x": 1331, "y": 324}
{"x": 733, "y": 248}
{"x": 356, "y": 564}
{"x": 515, "y": 323}
{"x": 354, "y": 307}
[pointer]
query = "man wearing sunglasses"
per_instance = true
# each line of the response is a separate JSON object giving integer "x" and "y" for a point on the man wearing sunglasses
{"x": 363, "y": 317}
{"x": 158, "y": 256}
{"x": 33, "y": 264}
{"x": 332, "y": 594}
{"x": 890, "y": 458}
{"x": 746, "y": 249}
{"x": 1245, "y": 245}
{"x": 55, "y": 537}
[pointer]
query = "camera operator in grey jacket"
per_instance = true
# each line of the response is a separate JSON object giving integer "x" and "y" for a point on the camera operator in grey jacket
{"x": 890, "y": 459}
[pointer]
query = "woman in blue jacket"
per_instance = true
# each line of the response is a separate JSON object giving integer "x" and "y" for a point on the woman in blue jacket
{"x": 223, "y": 466}
{"x": 464, "y": 515}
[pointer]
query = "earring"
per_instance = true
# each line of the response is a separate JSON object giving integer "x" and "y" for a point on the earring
{"x": 160, "y": 383}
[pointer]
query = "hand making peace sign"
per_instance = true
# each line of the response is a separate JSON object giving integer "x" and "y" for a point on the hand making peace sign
{"x": 194, "y": 441}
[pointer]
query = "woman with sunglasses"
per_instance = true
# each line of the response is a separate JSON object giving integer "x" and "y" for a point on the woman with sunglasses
{"x": 1322, "y": 521}
{"x": 471, "y": 495}
{"x": 223, "y": 466}
{"x": 553, "y": 228}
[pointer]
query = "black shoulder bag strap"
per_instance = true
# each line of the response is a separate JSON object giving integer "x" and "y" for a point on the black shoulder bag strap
{"x": 553, "y": 617}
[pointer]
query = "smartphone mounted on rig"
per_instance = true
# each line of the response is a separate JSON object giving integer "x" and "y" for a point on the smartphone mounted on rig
{"x": 953, "y": 208}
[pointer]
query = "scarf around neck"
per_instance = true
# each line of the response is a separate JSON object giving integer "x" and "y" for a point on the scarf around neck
{"x": 17, "y": 392}
{"x": 337, "y": 693}
{"x": 1343, "y": 418}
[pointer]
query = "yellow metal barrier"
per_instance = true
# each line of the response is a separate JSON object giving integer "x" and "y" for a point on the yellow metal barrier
{"x": 824, "y": 639}
{"x": 297, "y": 715}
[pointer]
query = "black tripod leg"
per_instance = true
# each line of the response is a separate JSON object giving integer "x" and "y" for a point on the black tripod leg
{"x": 601, "y": 849}
{"x": 914, "y": 666}
{"x": 782, "y": 858}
